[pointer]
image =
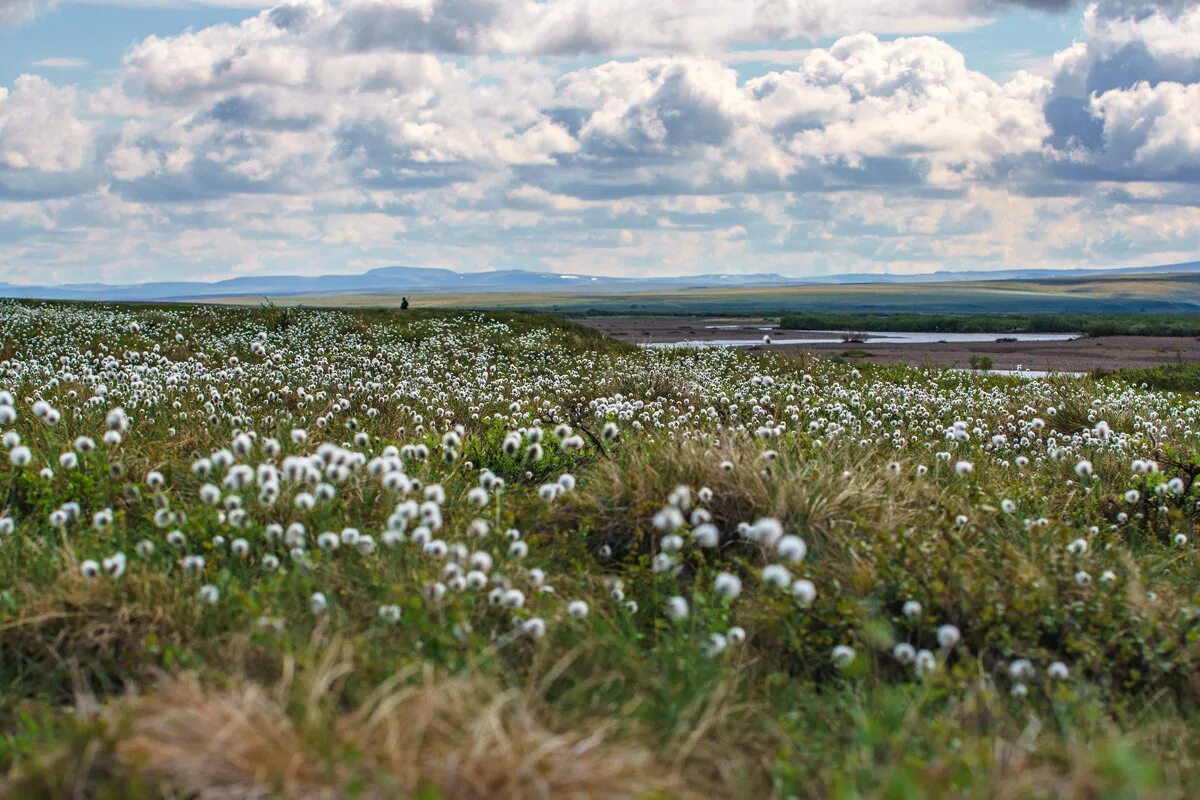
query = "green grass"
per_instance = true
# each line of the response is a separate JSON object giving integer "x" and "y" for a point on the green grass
{"x": 1169, "y": 377}
{"x": 119, "y": 686}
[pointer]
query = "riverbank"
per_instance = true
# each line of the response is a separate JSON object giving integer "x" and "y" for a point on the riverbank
{"x": 1070, "y": 355}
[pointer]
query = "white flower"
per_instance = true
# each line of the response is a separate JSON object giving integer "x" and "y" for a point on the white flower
{"x": 715, "y": 645}
{"x": 318, "y": 603}
{"x": 736, "y": 635}
{"x": 89, "y": 568}
{"x": 727, "y": 584}
{"x": 791, "y": 548}
{"x": 1084, "y": 469}
{"x": 766, "y": 531}
{"x": 20, "y": 456}
{"x": 534, "y": 627}
{"x": 805, "y": 591}
{"x": 577, "y": 609}
{"x": 707, "y": 535}
{"x": 912, "y": 609}
{"x": 1058, "y": 670}
{"x": 964, "y": 468}
{"x": 1021, "y": 669}
{"x": 777, "y": 575}
{"x": 904, "y": 652}
{"x": 114, "y": 565}
{"x": 948, "y": 636}
{"x": 924, "y": 662}
{"x": 210, "y": 594}
{"x": 843, "y": 655}
{"x": 677, "y": 608}
{"x": 116, "y": 420}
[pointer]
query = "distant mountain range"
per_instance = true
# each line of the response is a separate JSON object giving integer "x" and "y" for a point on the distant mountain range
{"x": 418, "y": 280}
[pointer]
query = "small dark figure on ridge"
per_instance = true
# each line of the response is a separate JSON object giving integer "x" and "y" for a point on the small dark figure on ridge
{"x": 403, "y": 303}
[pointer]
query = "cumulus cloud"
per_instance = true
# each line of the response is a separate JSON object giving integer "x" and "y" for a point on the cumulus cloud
{"x": 39, "y": 129}
{"x": 1154, "y": 131}
{"x": 863, "y": 111}
{"x": 1136, "y": 58}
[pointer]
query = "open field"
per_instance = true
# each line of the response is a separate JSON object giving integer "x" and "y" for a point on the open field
{"x": 1172, "y": 293}
{"x": 325, "y": 553}
{"x": 1079, "y": 355}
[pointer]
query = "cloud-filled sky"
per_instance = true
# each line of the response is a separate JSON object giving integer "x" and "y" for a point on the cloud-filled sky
{"x": 156, "y": 139}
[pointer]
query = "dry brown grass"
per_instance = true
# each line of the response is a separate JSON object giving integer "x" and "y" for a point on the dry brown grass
{"x": 460, "y": 738}
{"x": 813, "y": 496}
{"x": 95, "y": 629}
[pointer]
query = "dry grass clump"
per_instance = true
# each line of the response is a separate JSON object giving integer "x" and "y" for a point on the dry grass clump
{"x": 460, "y": 739}
{"x": 96, "y": 630}
{"x": 818, "y": 495}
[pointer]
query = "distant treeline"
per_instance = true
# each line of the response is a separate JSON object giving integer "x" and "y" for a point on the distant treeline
{"x": 1087, "y": 324}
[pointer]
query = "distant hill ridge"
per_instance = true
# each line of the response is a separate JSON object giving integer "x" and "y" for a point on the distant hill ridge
{"x": 403, "y": 280}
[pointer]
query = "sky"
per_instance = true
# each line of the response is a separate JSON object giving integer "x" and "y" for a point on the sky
{"x": 163, "y": 140}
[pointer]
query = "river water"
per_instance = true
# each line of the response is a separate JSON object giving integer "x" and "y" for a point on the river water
{"x": 875, "y": 337}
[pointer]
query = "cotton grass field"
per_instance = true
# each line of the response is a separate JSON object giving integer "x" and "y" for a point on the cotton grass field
{"x": 322, "y": 554}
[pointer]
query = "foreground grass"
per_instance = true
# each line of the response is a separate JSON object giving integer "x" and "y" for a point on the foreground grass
{"x": 520, "y": 632}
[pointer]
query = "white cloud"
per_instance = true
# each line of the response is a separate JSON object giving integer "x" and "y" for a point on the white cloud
{"x": 625, "y": 26}
{"x": 851, "y": 113}
{"x": 39, "y": 130}
{"x": 1155, "y": 129}
{"x": 15, "y": 12}
{"x": 906, "y": 98}
{"x": 61, "y": 63}
{"x": 1170, "y": 31}
{"x": 317, "y": 135}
